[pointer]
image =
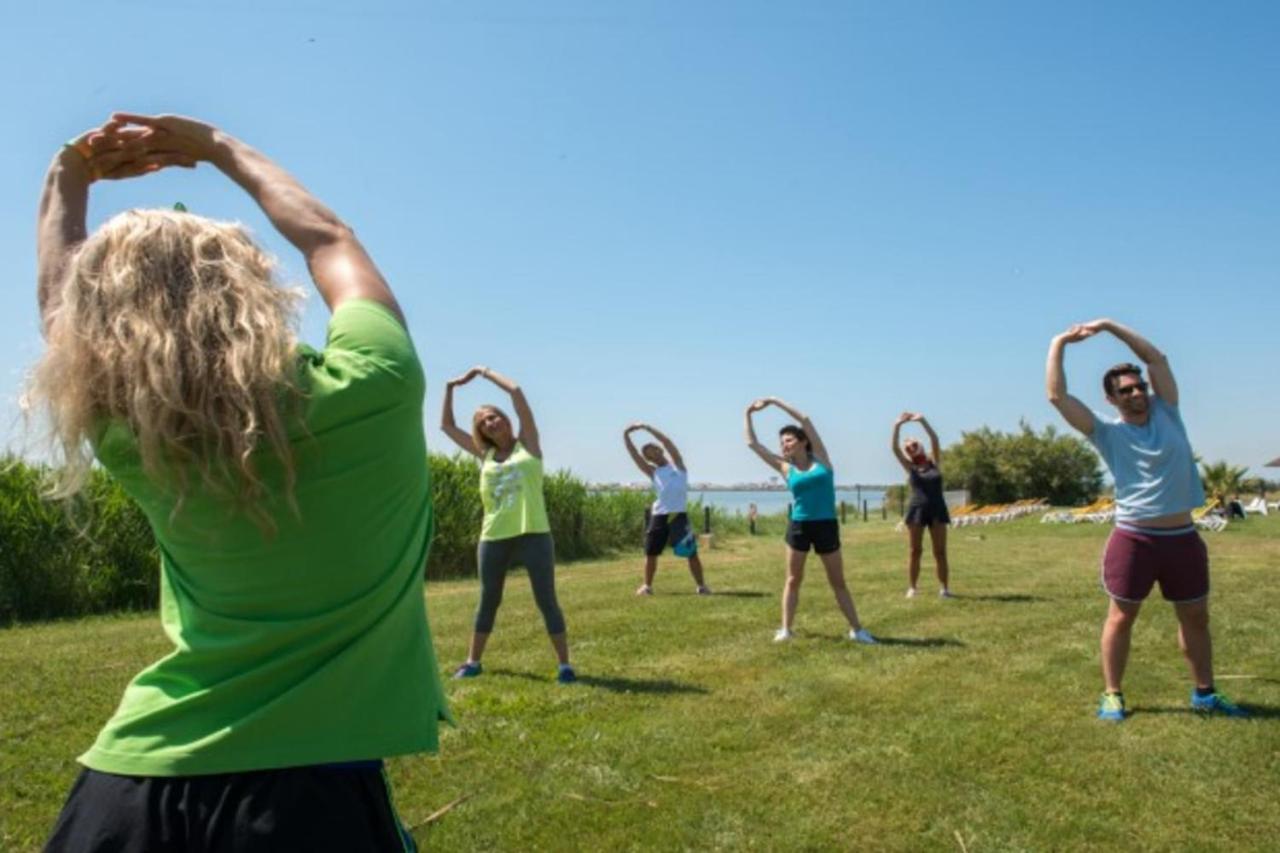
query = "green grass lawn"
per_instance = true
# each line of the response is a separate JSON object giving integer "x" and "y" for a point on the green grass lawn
{"x": 970, "y": 728}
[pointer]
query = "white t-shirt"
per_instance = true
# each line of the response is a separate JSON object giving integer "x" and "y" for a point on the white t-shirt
{"x": 672, "y": 488}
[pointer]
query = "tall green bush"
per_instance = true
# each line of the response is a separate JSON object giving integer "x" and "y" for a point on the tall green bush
{"x": 999, "y": 467}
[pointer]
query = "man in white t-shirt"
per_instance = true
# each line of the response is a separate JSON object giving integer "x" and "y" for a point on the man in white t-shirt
{"x": 668, "y": 518}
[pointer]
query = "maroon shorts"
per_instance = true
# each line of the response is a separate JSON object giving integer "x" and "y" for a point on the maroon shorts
{"x": 1134, "y": 561}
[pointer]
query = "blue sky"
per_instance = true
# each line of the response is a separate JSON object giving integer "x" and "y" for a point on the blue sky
{"x": 662, "y": 210}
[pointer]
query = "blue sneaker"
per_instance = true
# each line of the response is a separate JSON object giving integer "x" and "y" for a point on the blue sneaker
{"x": 566, "y": 675}
{"x": 470, "y": 669}
{"x": 1111, "y": 708}
{"x": 1216, "y": 703}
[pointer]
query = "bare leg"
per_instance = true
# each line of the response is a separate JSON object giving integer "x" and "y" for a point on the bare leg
{"x": 915, "y": 535}
{"x": 938, "y": 538}
{"x": 791, "y": 591}
{"x": 695, "y": 569}
{"x": 650, "y": 569}
{"x": 1193, "y": 639}
{"x": 834, "y": 564}
{"x": 1115, "y": 641}
{"x": 478, "y": 642}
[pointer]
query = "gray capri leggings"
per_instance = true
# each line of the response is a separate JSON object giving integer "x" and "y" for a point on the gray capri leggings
{"x": 536, "y": 552}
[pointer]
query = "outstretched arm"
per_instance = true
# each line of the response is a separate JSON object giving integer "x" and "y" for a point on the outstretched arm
{"x": 338, "y": 262}
{"x": 895, "y": 443}
{"x": 815, "y": 440}
{"x": 1075, "y": 412}
{"x": 528, "y": 426}
{"x": 636, "y": 456}
{"x": 460, "y": 437}
{"x": 669, "y": 445}
{"x": 1162, "y": 381}
{"x": 773, "y": 460}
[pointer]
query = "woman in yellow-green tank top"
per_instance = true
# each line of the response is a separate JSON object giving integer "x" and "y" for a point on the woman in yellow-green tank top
{"x": 515, "y": 530}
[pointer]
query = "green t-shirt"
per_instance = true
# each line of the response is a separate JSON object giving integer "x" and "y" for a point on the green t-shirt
{"x": 511, "y": 491}
{"x": 309, "y": 645}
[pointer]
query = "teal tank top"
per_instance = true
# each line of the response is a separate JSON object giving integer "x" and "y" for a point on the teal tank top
{"x": 814, "y": 491}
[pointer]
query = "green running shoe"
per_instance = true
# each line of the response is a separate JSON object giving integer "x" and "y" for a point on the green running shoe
{"x": 1111, "y": 708}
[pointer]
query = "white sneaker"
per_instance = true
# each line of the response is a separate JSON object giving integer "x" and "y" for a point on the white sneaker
{"x": 704, "y": 590}
{"x": 782, "y": 635}
{"x": 945, "y": 593}
{"x": 644, "y": 589}
{"x": 912, "y": 592}
{"x": 862, "y": 636}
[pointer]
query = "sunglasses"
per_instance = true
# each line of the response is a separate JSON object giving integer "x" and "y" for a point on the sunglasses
{"x": 1130, "y": 390}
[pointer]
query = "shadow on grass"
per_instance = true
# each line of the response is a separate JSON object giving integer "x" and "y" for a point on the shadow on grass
{"x": 1003, "y": 598}
{"x": 729, "y": 593}
{"x": 1256, "y": 712}
{"x": 920, "y": 642}
{"x": 615, "y": 683}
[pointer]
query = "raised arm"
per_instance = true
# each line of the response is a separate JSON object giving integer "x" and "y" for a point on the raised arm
{"x": 895, "y": 443}
{"x": 60, "y": 225}
{"x": 669, "y": 445}
{"x": 1075, "y": 412}
{"x": 773, "y": 460}
{"x": 460, "y": 437}
{"x": 528, "y": 426}
{"x": 1162, "y": 381}
{"x": 338, "y": 262}
{"x": 636, "y": 456}
{"x": 815, "y": 440}
{"x": 934, "y": 445}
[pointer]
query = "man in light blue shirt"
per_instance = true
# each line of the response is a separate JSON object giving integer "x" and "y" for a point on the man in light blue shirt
{"x": 1157, "y": 485}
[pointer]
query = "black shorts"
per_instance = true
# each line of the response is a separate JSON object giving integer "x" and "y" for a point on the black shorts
{"x": 823, "y": 535}
{"x": 666, "y": 529}
{"x": 927, "y": 515}
{"x": 323, "y": 807}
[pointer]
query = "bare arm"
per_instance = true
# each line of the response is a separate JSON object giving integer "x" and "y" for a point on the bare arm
{"x": 815, "y": 440}
{"x": 771, "y": 459}
{"x": 64, "y": 201}
{"x": 338, "y": 262}
{"x": 895, "y": 443}
{"x": 669, "y": 445}
{"x": 934, "y": 444}
{"x": 636, "y": 457}
{"x": 1075, "y": 412}
{"x": 460, "y": 437}
{"x": 1162, "y": 381}
{"x": 528, "y": 426}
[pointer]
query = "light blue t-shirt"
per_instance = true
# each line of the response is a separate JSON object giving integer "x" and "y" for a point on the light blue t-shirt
{"x": 814, "y": 490}
{"x": 1152, "y": 464}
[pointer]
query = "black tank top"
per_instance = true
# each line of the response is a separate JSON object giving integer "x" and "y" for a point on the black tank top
{"x": 926, "y": 486}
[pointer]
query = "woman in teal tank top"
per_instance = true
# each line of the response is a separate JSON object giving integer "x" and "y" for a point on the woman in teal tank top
{"x": 806, "y": 466}
{"x": 515, "y": 528}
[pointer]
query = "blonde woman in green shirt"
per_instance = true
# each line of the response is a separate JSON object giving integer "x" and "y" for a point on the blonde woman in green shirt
{"x": 515, "y": 528}
{"x": 286, "y": 491}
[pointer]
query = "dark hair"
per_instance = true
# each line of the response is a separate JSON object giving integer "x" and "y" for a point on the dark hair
{"x": 798, "y": 434}
{"x": 1109, "y": 378}
{"x": 653, "y": 444}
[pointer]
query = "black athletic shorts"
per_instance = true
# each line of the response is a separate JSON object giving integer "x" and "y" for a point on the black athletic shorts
{"x": 927, "y": 515}
{"x": 665, "y": 529}
{"x": 323, "y": 807}
{"x": 823, "y": 536}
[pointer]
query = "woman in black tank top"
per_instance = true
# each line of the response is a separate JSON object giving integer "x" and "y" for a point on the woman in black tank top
{"x": 928, "y": 507}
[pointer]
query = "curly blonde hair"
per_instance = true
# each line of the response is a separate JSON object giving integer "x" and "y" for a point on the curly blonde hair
{"x": 173, "y": 325}
{"x": 478, "y": 438}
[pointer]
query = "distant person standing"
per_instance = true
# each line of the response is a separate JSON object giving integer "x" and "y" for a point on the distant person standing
{"x": 805, "y": 465}
{"x": 668, "y": 517}
{"x": 515, "y": 529}
{"x": 927, "y": 509}
{"x": 1157, "y": 485}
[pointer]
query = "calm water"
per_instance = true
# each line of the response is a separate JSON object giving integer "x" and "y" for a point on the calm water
{"x": 769, "y": 503}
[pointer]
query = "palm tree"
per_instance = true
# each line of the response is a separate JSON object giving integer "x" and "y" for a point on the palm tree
{"x": 1222, "y": 479}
